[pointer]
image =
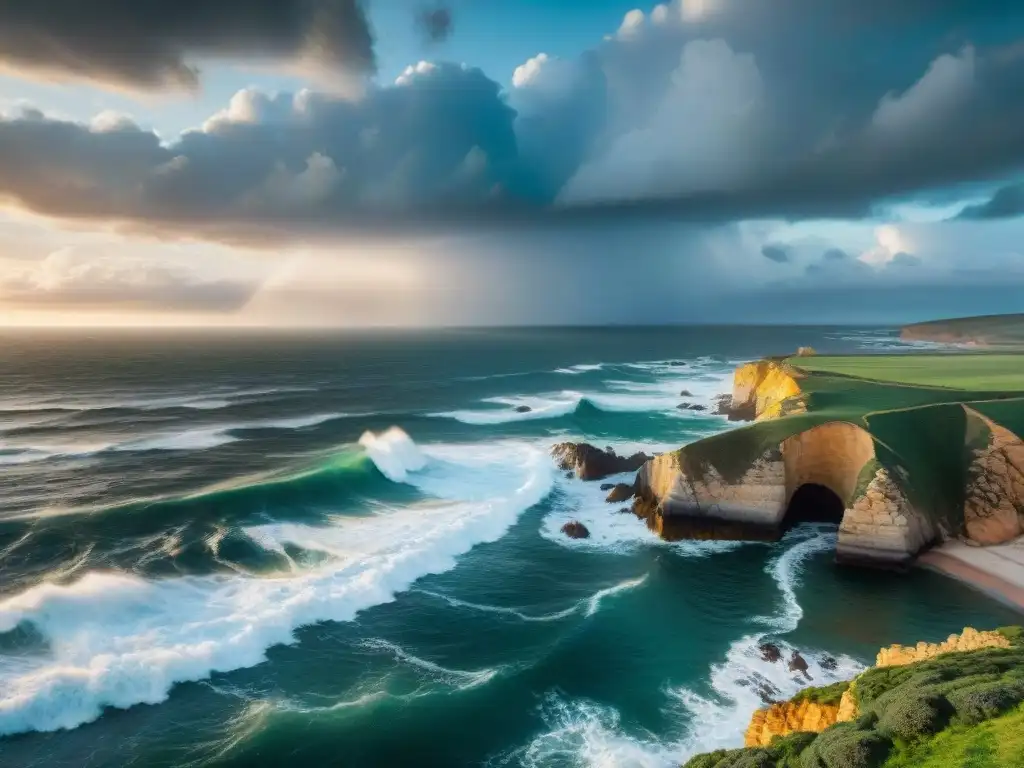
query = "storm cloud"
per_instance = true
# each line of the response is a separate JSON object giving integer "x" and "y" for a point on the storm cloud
{"x": 709, "y": 111}
{"x": 159, "y": 43}
{"x": 1007, "y": 202}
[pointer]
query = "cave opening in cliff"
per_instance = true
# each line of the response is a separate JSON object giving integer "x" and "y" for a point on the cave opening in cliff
{"x": 813, "y": 503}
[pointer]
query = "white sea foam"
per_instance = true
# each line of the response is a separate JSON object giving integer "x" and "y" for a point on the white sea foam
{"x": 499, "y": 609}
{"x": 197, "y": 439}
{"x": 580, "y": 732}
{"x": 702, "y": 379}
{"x": 119, "y": 640}
{"x": 612, "y": 530}
{"x": 457, "y": 678}
{"x": 588, "y": 606}
{"x": 25, "y": 454}
{"x": 187, "y": 440}
{"x": 584, "y": 733}
{"x": 394, "y": 453}
{"x": 575, "y": 370}
{"x": 212, "y": 400}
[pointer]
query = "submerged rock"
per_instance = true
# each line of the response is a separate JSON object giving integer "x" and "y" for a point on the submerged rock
{"x": 576, "y": 530}
{"x": 620, "y": 492}
{"x": 686, "y": 393}
{"x": 607, "y": 486}
{"x": 691, "y": 407}
{"x": 523, "y": 409}
{"x": 829, "y": 663}
{"x": 591, "y": 463}
{"x": 797, "y": 663}
{"x": 770, "y": 652}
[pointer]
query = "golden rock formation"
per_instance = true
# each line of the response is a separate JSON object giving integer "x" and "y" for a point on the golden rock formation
{"x": 968, "y": 640}
{"x": 789, "y": 717}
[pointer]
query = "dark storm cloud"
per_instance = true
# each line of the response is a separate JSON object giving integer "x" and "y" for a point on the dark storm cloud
{"x": 776, "y": 253}
{"x": 435, "y": 23}
{"x": 793, "y": 109}
{"x": 154, "y": 43}
{"x": 1007, "y": 202}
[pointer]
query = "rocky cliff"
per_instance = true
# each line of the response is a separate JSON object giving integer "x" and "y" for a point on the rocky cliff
{"x": 678, "y": 504}
{"x": 994, "y": 499}
{"x": 762, "y": 387}
{"x": 684, "y": 495}
{"x": 789, "y": 717}
{"x": 991, "y": 330}
{"x": 881, "y": 528}
{"x": 968, "y": 640}
{"x": 755, "y": 482}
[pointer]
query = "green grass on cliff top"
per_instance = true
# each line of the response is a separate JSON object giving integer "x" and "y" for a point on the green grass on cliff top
{"x": 981, "y": 372}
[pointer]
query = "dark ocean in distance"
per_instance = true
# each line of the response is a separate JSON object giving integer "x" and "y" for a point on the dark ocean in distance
{"x": 344, "y": 550}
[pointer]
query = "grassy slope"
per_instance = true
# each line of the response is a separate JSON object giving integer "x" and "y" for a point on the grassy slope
{"x": 956, "y": 710}
{"x": 969, "y": 372}
{"x": 998, "y": 742}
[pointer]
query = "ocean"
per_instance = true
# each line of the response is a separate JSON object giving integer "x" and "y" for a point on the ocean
{"x": 344, "y": 549}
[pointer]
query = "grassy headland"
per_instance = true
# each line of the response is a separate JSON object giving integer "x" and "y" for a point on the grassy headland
{"x": 954, "y": 710}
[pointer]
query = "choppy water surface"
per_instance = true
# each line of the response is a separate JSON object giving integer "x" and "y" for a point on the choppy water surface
{"x": 346, "y": 550}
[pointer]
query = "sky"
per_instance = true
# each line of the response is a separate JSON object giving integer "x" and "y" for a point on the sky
{"x": 342, "y": 163}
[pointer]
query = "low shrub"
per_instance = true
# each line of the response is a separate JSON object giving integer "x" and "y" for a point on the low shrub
{"x": 733, "y": 758}
{"x": 844, "y": 746}
{"x": 786, "y": 750}
{"x": 983, "y": 702}
{"x": 914, "y": 715}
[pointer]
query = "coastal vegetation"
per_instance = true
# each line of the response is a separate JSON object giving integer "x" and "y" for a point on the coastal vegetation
{"x": 957, "y": 709}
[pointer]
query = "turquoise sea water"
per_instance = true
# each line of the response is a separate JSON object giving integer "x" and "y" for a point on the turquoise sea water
{"x": 345, "y": 550}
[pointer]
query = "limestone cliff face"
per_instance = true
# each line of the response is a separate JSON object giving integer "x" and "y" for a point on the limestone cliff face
{"x": 757, "y": 499}
{"x": 801, "y": 714}
{"x": 762, "y": 387}
{"x": 881, "y": 527}
{"x": 788, "y": 717}
{"x": 968, "y": 640}
{"x": 994, "y": 500}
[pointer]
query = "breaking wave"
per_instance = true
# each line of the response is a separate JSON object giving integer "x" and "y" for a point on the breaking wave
{"x": 116, "y": 640}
